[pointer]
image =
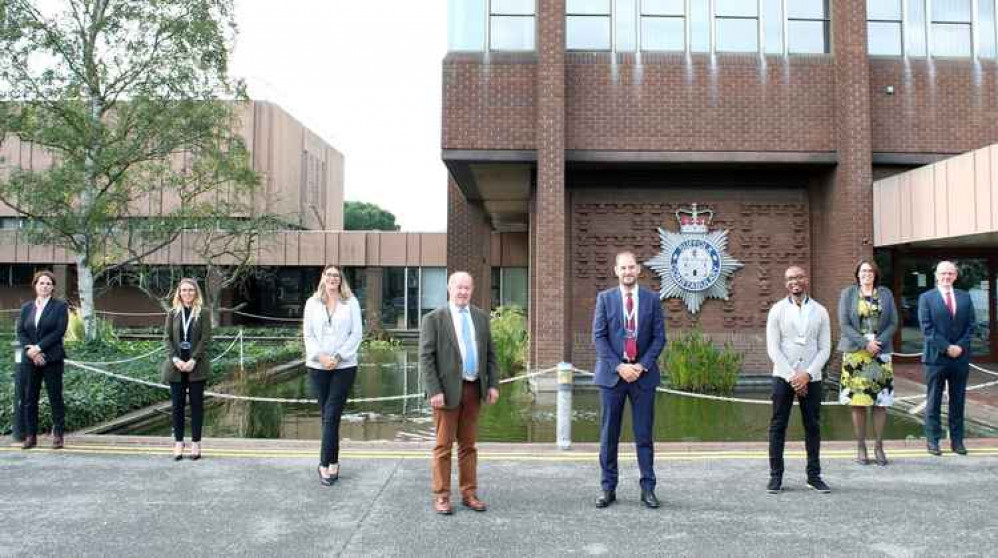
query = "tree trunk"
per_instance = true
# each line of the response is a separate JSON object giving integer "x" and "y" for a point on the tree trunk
{"x": 213, "y": 284}
{"x": 85, "y": 284}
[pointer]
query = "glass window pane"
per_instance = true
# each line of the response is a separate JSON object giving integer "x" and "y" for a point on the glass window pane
{"x": 597, "y": 7}
{"x": 662, "y": 33}
{"x": 433, "y": 291}
{"x": 514, "y": 286}
{"x": 986, "y": 31}
{"x": 412, "y": 300}
{"x": 772, "y": 20}
{"x": 662, "y": 7}
{"x": 883, "y": 39}
{"x": 951, "y": 10}
{"x": 736, "y": 8}
{"x": 393, "y": 298}
{"x": 807, "y": 37}
{"x": 914, "y": 28}
{"x": 466, "y": 25}
{"x": 807, "y": 9}
{"x": 587, "y": 33}
{"x": 513, "y": 7}
{"x": 737, "y": 35}
{"x": 700, "y": 25}
{"x": 512, "y": 33}
{"x": 627, "y": 33}
{"x": 883, "y": 9}
{"x": 950, "y": 39}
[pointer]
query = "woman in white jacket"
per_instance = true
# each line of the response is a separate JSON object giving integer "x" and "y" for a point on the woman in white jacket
{"x": 333, "y": 331}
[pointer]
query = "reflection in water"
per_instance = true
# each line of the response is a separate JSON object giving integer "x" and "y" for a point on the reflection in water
{"x": 519, "y": 416}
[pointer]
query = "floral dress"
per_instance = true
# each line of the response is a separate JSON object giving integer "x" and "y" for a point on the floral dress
{"x": 867, "y": 380}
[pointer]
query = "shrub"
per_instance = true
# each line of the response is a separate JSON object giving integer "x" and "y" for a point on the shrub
{"x": 381, "y": 341}
{"x": 75, "y": 330}
{"x": 695, "y": 364}
{"x": 509, "y": 338}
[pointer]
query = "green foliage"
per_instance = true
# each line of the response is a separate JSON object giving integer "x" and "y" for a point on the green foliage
{"x": 695, "y": 364}
{"x": 92, "y": 398}
{"x": 362, "y": 216}
{"x": 383, "y": 343}
{"x": 76, "y": 333}
{"x": 118, "y": 94}
{"x": 509, "y": 339}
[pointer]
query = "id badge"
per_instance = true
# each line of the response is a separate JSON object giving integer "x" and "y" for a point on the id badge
{"x": 185, "y": 345}
{"x": 801, "y": 340}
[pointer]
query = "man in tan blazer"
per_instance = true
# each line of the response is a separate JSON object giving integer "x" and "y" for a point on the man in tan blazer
{"x": 458, "y": 366}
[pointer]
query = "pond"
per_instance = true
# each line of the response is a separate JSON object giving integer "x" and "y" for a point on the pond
{"x": 519, "y": 416}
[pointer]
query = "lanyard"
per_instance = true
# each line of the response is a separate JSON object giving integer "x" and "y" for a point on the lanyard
{"x": 633, "y": 314}
{"x": 186, "y": 323}
{"x": 801, "y": 316}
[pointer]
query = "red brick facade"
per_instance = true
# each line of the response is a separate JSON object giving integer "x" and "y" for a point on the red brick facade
{"x": 744, "y": 124}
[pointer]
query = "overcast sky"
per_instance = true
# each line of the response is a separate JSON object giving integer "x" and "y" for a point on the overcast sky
{"x": 365, "y": 75}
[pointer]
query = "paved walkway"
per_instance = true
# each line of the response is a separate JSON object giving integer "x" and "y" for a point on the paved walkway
{"x": 119, "y": 496}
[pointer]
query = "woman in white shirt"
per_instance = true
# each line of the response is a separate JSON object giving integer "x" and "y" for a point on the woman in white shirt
{"x": 333, "y": 331}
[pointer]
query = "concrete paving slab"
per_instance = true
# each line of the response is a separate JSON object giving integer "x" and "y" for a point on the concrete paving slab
{"x": 132, "y": 500}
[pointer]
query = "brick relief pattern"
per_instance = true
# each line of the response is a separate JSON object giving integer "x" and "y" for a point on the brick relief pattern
{"x": 768, "y": 231}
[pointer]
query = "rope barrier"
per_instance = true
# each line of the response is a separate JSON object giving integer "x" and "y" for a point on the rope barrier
{"x": 272, "y": 318}
{"x": 123, "y": 361}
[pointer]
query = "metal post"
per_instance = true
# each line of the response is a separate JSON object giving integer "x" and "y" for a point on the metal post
{"x": 17, "y": 428}
{"x": 241, "y": 369}
{"x": 564, "y": 425}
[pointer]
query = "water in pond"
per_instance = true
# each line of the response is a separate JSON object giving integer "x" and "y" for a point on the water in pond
{"x": 519, "y": 416}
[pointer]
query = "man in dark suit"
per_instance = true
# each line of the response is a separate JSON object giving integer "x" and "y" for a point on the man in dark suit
{"x": 946, "y": 316}
{"x": 458, "y": 366}
{"x": 629, "y": 334}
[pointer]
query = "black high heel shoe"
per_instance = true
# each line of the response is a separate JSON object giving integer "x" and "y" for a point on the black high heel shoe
{"x": 878, "y": 452}
{"x": 178, "y": 454}
{"x": 861, "y": 456}
{"x": 324, "y": 481}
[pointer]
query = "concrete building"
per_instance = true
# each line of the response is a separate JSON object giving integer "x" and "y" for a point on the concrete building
{"x": 590, "y": 123}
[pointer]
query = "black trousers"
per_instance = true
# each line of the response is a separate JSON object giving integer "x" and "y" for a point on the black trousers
{"x": 32, "y": 378}
{"x": 331, "y": 388}
{"x": 810, "y": 410}
{"x": 178, "y": 395}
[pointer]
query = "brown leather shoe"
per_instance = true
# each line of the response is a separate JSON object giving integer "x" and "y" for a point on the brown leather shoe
{"x": 441, "y": 505}
{"x": 58, "y": 442}
{"x": 471, "y": 501}
{"x": 29, "y": 442}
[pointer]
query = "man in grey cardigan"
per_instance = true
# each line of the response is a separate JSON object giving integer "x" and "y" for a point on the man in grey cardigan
{"x": 798, "y": 340}
{"x": 458, "y": 366}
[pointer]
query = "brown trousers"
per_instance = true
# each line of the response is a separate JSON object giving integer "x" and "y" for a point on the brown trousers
{"x": 460, "y": 424}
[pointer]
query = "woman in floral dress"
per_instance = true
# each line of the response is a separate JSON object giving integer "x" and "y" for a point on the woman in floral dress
{"x": 868, "y": 319}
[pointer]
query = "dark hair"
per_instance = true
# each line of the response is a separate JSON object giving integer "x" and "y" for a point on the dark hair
{"x": 43, "y": 273}
{"x": 873, "y": 266}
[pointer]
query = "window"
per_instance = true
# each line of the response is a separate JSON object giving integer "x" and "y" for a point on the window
{"x": 986, "y": 33}
{"x": 499, "y": 24}
{"x": 587, "y": 25}
{"x": 663, "y": 25}
{"x": 736, "y": 26}
{"x": 883, "y": 27}
{"x": 509, "y": 287}
{"x": 807, "y": 27}
{"x": 951, "y": 28}
{"x": 511, "y": 25}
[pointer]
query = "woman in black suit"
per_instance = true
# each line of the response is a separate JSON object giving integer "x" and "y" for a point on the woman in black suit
{"x": 186, "y": 334}
{"x": 41, "y": 329}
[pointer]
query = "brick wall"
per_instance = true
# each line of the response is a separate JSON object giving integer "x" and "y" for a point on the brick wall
{"x": 469, "y": 242}
{"x": 766, "y": 212}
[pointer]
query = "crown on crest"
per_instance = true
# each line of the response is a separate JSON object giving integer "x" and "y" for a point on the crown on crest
{"x": 694, "y": 220}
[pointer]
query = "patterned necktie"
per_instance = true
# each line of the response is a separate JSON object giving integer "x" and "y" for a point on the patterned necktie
{"x": 631, "y": 337}
{"x": 470, "y": 354}
{"x": 950, "y": 304}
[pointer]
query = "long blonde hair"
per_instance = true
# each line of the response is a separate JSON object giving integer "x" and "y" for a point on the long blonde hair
{"x": 178, "y": 305}
{"x": 320, "y": 291}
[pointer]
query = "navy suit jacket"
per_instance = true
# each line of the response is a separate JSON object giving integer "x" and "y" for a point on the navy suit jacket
{"x": 49, "y": 332}
{"x": 609, "y": 331}
{"x": 941, "y": 330}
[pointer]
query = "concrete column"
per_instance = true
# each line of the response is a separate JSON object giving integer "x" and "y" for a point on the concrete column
{"x": 373, "y": 278}
{"x": 549, "y": 220}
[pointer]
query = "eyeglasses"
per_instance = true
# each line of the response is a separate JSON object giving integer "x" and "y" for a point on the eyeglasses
{"x": 796, "y": 278}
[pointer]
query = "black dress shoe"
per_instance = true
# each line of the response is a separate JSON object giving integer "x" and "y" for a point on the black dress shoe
{"x": 608, "y": 497}
{"x": 958, "y": 448}
{"x": 324, "y": 481}
{"x": 933, "y": 448}
{"x": 649, "y": 500}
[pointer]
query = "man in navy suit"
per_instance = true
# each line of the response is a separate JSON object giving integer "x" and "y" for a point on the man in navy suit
{"x": 946, "y": 316}
{"x": 629, "y": 334}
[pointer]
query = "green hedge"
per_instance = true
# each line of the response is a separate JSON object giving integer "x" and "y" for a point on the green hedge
{"x": 693, "y": 363}
{"x": 92, "y": 398}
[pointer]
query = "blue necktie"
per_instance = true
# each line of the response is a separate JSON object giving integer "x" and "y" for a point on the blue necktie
{"x": 470, "y": 357}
